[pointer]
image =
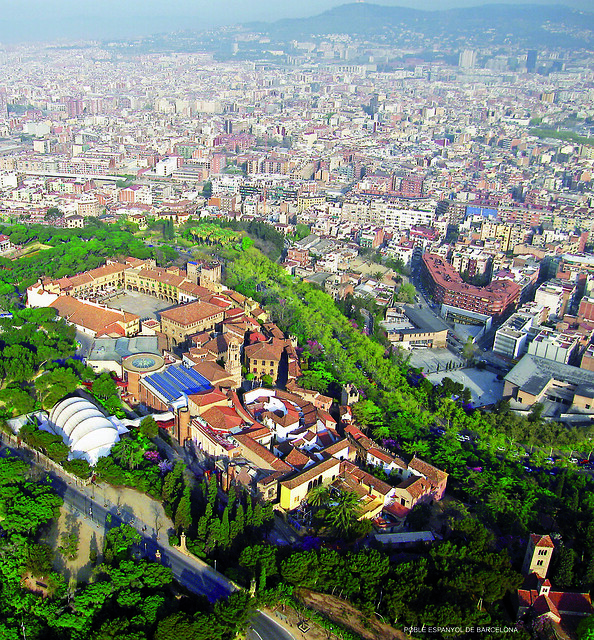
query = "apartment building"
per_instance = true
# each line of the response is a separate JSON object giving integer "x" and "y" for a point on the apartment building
{"x": 511, "y": 339}
{"x": 556, "y": 295}
{"x": 447, "y": 287}
{"x": 555, "y": 346}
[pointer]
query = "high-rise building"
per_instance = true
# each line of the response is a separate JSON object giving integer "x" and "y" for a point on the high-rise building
{"x": 531, "y": 57}
{"x": 467, "y": 59}
{"x": 75, "y": 107}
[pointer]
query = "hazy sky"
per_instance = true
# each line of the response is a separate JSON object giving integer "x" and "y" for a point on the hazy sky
{"x": 50, "y": 19}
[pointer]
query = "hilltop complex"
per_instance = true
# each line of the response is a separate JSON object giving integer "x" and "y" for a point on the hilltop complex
{"x": 278, "y": 443}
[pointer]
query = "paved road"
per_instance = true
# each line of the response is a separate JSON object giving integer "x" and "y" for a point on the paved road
{"x": 265, "y": 628}
{"x": 197, "y": 577}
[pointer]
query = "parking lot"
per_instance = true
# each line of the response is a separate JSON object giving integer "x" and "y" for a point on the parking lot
{"x": 138, "y": 303}
{"x": 483, "y": 385}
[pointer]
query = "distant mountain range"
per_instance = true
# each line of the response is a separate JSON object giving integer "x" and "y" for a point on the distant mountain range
{"x": 533, "y": 26}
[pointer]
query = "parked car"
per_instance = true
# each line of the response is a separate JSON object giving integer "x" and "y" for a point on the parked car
{"x": 573, "y": 460}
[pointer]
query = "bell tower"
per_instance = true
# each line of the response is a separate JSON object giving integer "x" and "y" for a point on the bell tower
{"x": 233, "y": 363}
{"x": 538, "y": 555}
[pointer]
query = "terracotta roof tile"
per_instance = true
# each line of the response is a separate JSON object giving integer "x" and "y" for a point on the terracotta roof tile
{"x": 262, "y": 452}
{"x": 222, "y": 418}
{"x": 542, "y": 540}
{"x": 310, "y": 473}
{"x": 188, "y": 314}
{"x": 89, "y": 315}
{"x": 296, "y": 458}
{"x": 434, "y": 475}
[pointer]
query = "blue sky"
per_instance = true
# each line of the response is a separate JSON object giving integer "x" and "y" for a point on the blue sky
{"x": 50, "y": 19}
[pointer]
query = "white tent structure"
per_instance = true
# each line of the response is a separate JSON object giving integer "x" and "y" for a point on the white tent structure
{"x": 84, "y": 429}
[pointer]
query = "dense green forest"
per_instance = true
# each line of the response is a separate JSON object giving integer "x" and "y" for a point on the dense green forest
{"x": 71, "y": 251}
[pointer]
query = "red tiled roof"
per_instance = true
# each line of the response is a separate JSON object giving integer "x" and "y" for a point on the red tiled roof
{"x": 397, "y": 510}
{"x": 220, "y": 301}
{"x": 325, "y": 438}
{"x": 434, "y": 475}
{"x": 542, "y": 540}
{"x": 188, "y": 314}
{"x": 194, "y": 289}
{"x": 354, "y": 432}
{"x": 337, "y": 447}
{"x": 348, "y": 468}
{"x": 286, "y": 420}
{"x": 262, "y": 452}
{"x": 208, "y": 397}
{"x": 543, "y": 604}
{"x": 257, "y": 432}
{"x": 325, "y": 416}
{"x": 214, "y": 373}
{"x": 571, "y": 602}
{"x": 296, "y": 458}
{"x": 565, "y": 603}
{"x": 233, "y": 313}
{"x": 88, "y": 315}
{"x": 222, "y": 418}
{"x": 264, "y": 351}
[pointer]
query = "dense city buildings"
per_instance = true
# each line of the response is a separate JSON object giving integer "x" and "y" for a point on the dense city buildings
{"x": 438, "y": 189}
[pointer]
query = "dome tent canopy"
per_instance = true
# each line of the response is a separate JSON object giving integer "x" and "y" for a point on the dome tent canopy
{"x": 84, "y": 428}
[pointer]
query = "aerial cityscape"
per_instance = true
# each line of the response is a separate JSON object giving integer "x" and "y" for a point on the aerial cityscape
{"x": 297, "y": 324}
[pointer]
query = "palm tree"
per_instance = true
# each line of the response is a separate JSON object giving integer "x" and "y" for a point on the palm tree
{"x": 344, "y": 514}
{"x": 318, "y": 496}
{"x": 128, "y": 452}
{"x": 497, "y": 501}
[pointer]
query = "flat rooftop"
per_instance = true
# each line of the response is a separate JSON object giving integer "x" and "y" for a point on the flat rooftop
{"x": 533, "y": 373}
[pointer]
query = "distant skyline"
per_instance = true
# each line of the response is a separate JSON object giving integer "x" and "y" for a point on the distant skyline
{"x": 44, "y": 20}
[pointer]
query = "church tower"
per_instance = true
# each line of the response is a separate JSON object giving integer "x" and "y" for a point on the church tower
{"x": 538, "y": 555}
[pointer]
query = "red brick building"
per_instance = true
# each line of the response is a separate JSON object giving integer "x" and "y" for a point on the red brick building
{"x": 447, "y": 287}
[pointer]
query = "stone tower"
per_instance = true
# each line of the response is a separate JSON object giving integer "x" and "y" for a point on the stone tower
{"x": 538, "y": 555}
{"x": 233, "y": 363}
{"x": 349, "y": 395}
{"x": 192, "y": 270}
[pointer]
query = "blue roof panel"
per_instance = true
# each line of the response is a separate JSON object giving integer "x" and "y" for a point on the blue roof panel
{"x": 177, "y": 380}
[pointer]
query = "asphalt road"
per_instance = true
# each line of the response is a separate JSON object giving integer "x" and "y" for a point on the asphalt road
{"x": 198, "y": 578}
{"x": 265, "y": 628}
